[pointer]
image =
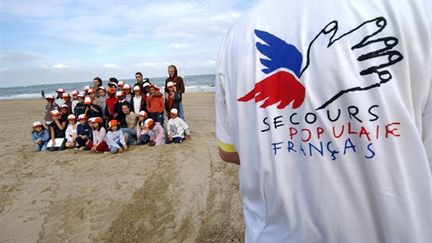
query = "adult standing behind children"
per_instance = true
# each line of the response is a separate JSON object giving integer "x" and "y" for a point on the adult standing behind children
{"x": 327, "y": 106}
{"x": 179, "y": 84}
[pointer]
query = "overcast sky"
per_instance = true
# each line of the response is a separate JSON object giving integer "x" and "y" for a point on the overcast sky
{"x": 55, "y": 41}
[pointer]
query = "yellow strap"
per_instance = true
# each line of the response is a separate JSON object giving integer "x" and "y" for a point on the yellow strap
{"x": 226, "y": 147}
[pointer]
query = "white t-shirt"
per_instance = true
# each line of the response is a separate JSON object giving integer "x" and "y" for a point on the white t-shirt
{"x": 334, "y": 99}
{"x": 176, "y": 127}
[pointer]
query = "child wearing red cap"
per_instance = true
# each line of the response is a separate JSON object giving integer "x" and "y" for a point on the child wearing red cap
{"x": 98, "y": 143}
{"x": 155, "y": 132}
{"x": 177, "y": 128}
{"x": 155, "y": 104}
{"x": 115, "y": 138}
{"x": 40, "y": 136}
{"x": 141, "y": 133}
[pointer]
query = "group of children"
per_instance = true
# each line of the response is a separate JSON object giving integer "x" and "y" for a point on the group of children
{"x": 111, "y": 119}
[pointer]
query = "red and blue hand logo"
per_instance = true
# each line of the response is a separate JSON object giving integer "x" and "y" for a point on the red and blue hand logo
{"x": 283, "y": 85}
{"x": 284, "y": 67}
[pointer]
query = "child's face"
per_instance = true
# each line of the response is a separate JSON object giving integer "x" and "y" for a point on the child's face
{"x": 102, "y": 93}
{"x": 141, "y": 118}
{"x": 94, "y": 125}
{"x": 125, "y": 109}
{"x": 114, "y": 128}
{"x": 72, "y": 122}
{"x": 38, "y": 128}
{"x": 64, "y": 111}
{"x": 82, "y": 121}
{"x": 50, "y": 101}
{"x": 92, "y": 95}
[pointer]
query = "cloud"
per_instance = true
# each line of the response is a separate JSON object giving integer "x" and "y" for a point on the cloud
{"x": 180, "y": 45}
{"x": 72, "y": 39}
{"x": 110, "y": 65}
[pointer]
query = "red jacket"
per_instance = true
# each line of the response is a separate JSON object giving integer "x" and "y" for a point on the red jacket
{"x": 155, "y": 103}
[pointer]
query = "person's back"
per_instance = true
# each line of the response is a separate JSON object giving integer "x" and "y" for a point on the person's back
{"x": 334, "y": 100}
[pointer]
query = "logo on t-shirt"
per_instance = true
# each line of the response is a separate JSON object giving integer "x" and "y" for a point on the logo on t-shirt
{"x": 335, "y": 65}
{"x": 284, "y": 67}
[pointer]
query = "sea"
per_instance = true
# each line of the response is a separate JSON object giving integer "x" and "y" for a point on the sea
{"x": 193, "y": 83}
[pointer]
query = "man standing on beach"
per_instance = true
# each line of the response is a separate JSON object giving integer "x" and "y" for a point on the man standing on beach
{"x": 328, "y": 106}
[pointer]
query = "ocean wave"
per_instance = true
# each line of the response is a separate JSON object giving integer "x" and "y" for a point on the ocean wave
{"x": 191, "y": 89}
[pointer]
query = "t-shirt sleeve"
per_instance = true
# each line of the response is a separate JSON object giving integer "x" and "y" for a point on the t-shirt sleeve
{"x": 224, "y": 126}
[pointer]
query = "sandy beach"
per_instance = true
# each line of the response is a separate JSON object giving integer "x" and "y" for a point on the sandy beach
{"x": 170, "y": 193}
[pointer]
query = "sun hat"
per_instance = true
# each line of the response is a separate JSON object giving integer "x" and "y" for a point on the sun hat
{"x": 64, "y": 106}
{"x": 113, "y": 123}
{"x": 81, "y": 117}
{"x": 87, "y": 101}
{"x": 174, "y": 111}
{"x": 60, "y": 90}
{"x": 169, "y": 84}
{"x": 120, "y": 93}
{"x": 86, "y": 88}
{"x": 37, "y": 124}
{"x": 146, "y": 84}
{"x": 102, "y": 88}
{"x": 149, "y": 122}
{"x": 75, "y": 92}
{"x": 71, "y": 117}
{"x": 55, "y": 113}
{"x": 95, "y": 120}
{"x": 121, "y": 83}
{"x": 49, "y": 97}
{"x": 81, "y": 95}
{"x": 65, "y": 95}
{"x": 136, "y": 88}
{"x": 90, "y": 91}
{"x": 126, "y": 86}
{"x": 142, "y": 113}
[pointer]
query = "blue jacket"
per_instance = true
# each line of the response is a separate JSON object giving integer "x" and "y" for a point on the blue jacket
{"x": 84, "y": 130}
{"x": 42, "y": 135}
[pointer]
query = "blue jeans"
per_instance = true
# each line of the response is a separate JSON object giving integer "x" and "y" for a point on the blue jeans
{"x": 175, "y": 140}
{"x": 132, "y": 136}
{"x": 41, "y": 147}
{"x": 181, "y": 111}
{"x": 143, "y": 139}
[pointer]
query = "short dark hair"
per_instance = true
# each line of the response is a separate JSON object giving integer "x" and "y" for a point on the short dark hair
{"x": 114, "y": 80}
{"x": 138, "y": 73}
{"x": 99, "y": 80}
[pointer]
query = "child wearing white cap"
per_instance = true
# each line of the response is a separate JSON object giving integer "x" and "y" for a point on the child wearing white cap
{"x": 177, "y": 128}
{"x": 71, "y": 132}
{"x": 40, "y": 136}
{"x": 57, "y": 132}
{"x": 84, "y": 132}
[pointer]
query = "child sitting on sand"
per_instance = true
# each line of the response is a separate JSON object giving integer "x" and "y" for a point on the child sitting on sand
{"x": 177, "y": 128}
{"x": 84, "y": 132}
{"x": 98, "y": 143}
{"x": 155, "y": 132}
{"x": 115, "y": 138}
{"x": 57, "y": 131}
{"x": 142, "y": 136}
{"x": 40, "y": 136}
{"x": 71, "y": 132}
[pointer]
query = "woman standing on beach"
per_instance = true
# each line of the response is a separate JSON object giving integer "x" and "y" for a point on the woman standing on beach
{"x": 50, "y": 106}
{"x": 179, "y": 84}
